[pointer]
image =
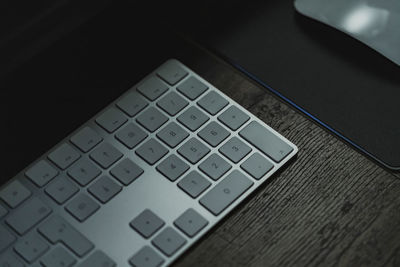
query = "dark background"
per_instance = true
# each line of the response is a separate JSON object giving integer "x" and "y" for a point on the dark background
{"x": 62, "y": 61}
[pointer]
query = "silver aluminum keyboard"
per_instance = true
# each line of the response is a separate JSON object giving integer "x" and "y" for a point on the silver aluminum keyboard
{"x": 142, "y": 181}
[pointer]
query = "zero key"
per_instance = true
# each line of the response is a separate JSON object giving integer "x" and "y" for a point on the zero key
{"x": 226, "y": 192}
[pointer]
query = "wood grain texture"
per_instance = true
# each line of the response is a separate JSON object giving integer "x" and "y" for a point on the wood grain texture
{"x": 331, "y": 206}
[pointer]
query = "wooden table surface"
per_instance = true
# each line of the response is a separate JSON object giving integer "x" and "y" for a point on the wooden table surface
{"x": 330, "y": 206}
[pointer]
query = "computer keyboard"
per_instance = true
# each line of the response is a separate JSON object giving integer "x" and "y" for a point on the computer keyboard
{"x": 142, "y": 181}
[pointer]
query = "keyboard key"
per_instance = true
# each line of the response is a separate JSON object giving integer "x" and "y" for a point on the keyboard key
{"x": 132, "y": 104}
{"x": 98, "y": 258}
{"x": 235, "y": 149}
{"x": 193, "y": 150}
{"x": 6, "y": 238}
{"x": 126, "y": 171}
{"x": 215, "y": 166}
{"x": 168, "y": 241}
{"x": 105, "y": 155}
{"x": 82, "y": 207}
{"x": 151, "y": 151}
{"x": 104, "y": 189}
{"x": 31, "y": 247}
{"x": 257, "y": 166}
{"x": 61, "y": 189}
{"x": 146, "y": 257}
{"x": 192, "y": 88}
{"x": 56, "y": 229}
{"x": 58, "y": 257}
{"x": 226, "y": 192}
{"x": 213, "y": 102}
{"x": 131, "y": 135}
{"x": 152, "y": 119}
{"x": 10, "y": 260}
{"x": 64, "y": 156}
{"x": 213, "y": 134}
{"x": 194, "y": 184}
{"x": 14, "y": 194}
{"x": 172, "y": 134}
{"x": 171, "y": 73}
{"x": 86, "y": 139}
{"x": 266, "y": 141}
{"x": 84, "y": 171}
{"x": 172, "y": 103}
{"x": 147, "y": 223}
{"x": 190, "y": 222}
{"x": 193, "y": 118}
{"x": 172, "y": 167}
{"x": 233, "y": 118}
{"x": 28, "y": 215}
{"x": 111, "y": 119}
{"x": 152, "y": 88}
{"x": 3, "y": 211}
{"x": 41, "y": 173}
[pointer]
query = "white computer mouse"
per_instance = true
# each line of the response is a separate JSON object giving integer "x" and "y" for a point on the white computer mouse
{"x": 376, "y": 23}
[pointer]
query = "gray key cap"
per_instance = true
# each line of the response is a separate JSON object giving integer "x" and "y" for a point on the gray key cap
{"x": 152, "y": 151}
{"x": 169, "y": 241}
{"x": 56, "y": 229}
{"x": 58, "y": 257}
{"x": 190, "y": 222}
{"x": 105, "y": 155}
{"x": 10, "y": 260}
{"x": 132, "y": 104}
{"x": 82, "y": 207}
{"x": 194, "y": 184}
{"x": 152, "y": 88}
{"x": 84, "y": 171}
{"x": 147, "y": 223}
{"x": 28, "y": 215}
{"x": 104, "y": 189}
{"x": 233, "y": 118}
{"x": 193, "y": 150}
{"x": 6, "y": 238}
{"x": 146, "y": 257}
{"x": 171, "y": 73}
{"x": 192, "y": 88}
{"x": 98, "y": 258}
{"x": 111, "y": 119}
{"x": 131, "y": 135}
{"x": 172, "y": 103}
{"x": 61, "y": 189}
{"x": 215, "y": 166}
{"x": 193, "y": 118}
{"x": 41, "y": 173}
{"x": 86, "y": 139}
{"x": 172, "y": 167}
{"x": 31, "y": 247}
{"x": 235, "y": 149}
{"x": 126, "y": 171}
{"x": 172, "y": 134}
{"x": 213, "y": 134}
{"x": 257, "y": 166}
{"x": 152, "y": 119}
{"x": 14, "y": 193}
{"x": 64, "y": 156}
{"x": 266, "y": 141}
{"x": 226, "y": 192}
{"x": 3, "y": 211}
{"x": 212, "y": 102}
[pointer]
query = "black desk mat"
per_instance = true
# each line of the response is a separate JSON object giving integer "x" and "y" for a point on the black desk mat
{"x": 342, "y": 84}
